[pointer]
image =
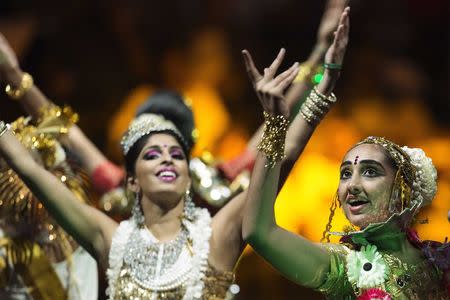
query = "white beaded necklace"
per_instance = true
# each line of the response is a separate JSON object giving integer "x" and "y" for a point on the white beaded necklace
{"x": 162, "y": 266}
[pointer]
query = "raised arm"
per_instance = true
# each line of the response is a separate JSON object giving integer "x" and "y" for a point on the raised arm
{"x": 227, "y": 241}
{"x": 299, "y": 259}
{"x": 91, "y": 228}
{"x": 302, "y": 84}
{"x": 33, "y": 101}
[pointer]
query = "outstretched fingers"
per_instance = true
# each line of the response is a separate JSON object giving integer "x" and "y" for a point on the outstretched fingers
{"x": 284, "y": 79}
{"x": 341, "y": 35}
{"x": 270, "y": 71}
{"x": 252, "y": 71}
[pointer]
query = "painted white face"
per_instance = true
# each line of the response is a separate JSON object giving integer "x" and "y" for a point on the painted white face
{"x": 161, "y": 170}
{"x": 365, "y": 185}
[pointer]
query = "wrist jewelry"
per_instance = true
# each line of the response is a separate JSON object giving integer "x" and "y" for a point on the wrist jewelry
{"x": 3, "y": 128}
{"x": 332, "y": 66}
{"x": 316, "y": 106}
{"x": 273, "y": 138}
{"x": 25, "y": 85}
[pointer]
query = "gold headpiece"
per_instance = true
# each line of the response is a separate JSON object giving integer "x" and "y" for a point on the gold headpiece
{"x": 146, "y": 124}
{"x": 400, "y": 157}
{"x": 416, "y": 179}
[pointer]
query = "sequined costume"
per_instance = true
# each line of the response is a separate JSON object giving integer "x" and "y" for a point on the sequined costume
{"x": 141, "y": 267}
{"x": 365, "y": 263}
{"x": 38, "y": 260}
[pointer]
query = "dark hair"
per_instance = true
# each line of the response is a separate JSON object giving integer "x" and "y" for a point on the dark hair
{"x": 171, "y": 106}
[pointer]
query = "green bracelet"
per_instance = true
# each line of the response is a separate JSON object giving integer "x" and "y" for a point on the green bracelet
{"x": 332, "y": 66}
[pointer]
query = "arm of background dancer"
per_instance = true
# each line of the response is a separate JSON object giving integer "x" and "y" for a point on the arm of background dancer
{"x": 302, "y": 84}
{"x": 104, "y": 174}
{"x": 34, "y": 100}
{"x": 328, "y": 25}
{"x": 90, "y": 228}
{"x": 300, "y": 131}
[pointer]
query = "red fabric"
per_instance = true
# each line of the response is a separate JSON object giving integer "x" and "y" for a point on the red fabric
{"x": 107, "y": 176}
{"x": 231, "y": 169}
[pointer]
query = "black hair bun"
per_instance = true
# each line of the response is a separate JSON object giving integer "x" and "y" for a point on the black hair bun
{"x": 172, "y": 106}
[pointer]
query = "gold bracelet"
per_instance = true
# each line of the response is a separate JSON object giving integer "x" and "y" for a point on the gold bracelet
{"x": 273, "y": 138}
{"x": 25, "y": 85}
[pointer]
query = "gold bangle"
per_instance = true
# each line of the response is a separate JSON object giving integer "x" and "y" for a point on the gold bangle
{"x": 316, "y": 106}
{"x": 273, "y": 138}
{"x": 25, "y": 85}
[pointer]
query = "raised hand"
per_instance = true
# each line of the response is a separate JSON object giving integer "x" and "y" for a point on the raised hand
{"x": 330, "y": 21}
{"x": 270, "y": 89}
{"x": 335, "y": 54}
{"x": 8, "y": 59}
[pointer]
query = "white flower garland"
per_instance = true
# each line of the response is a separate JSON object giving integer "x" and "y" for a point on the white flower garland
{"x": 366, "y": 268}
{"x": 200, "y": 233}
{"x": 425, "y": 184}
{"x": 116, "y": 253}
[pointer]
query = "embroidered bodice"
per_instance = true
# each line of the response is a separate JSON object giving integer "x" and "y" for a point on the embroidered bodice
{"x": 402, "y": 281}
{"x": 143, "y": 268}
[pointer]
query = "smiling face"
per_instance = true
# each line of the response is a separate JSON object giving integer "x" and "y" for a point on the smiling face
{"x": 365, "y": 185}
{"x": 161, "y": 171}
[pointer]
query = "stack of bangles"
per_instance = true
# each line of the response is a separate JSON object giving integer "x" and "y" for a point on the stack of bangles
{"x": 3, "y": 128}
{"x": 316, "y": 106}
{"x": 25, "y": 85}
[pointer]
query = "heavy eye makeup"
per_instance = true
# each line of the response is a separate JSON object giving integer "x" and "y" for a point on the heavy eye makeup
{"x": 368, "y": 168}
{"x": 156, "y": 152}
{"x": 345, "y": 173}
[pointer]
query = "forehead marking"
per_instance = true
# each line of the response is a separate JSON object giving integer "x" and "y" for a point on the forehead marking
{"x": 356, "y": 160}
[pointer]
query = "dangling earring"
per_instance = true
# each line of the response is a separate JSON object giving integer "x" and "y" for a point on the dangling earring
{"x": 326, "y": 233}
{"x": 136, "y": 212}
{"x": 189, "y": 206}
{"x": 396, "y": 194}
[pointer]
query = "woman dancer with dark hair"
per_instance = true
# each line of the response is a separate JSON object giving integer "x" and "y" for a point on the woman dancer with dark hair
{"x": 382, "y": 186}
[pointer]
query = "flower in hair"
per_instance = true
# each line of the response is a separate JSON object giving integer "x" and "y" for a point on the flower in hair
{"x": 366, "y": 268}
{"x": 425, "y": 183}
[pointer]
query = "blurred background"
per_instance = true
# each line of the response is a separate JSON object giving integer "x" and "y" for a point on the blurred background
{"x": 105, "y": 57}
